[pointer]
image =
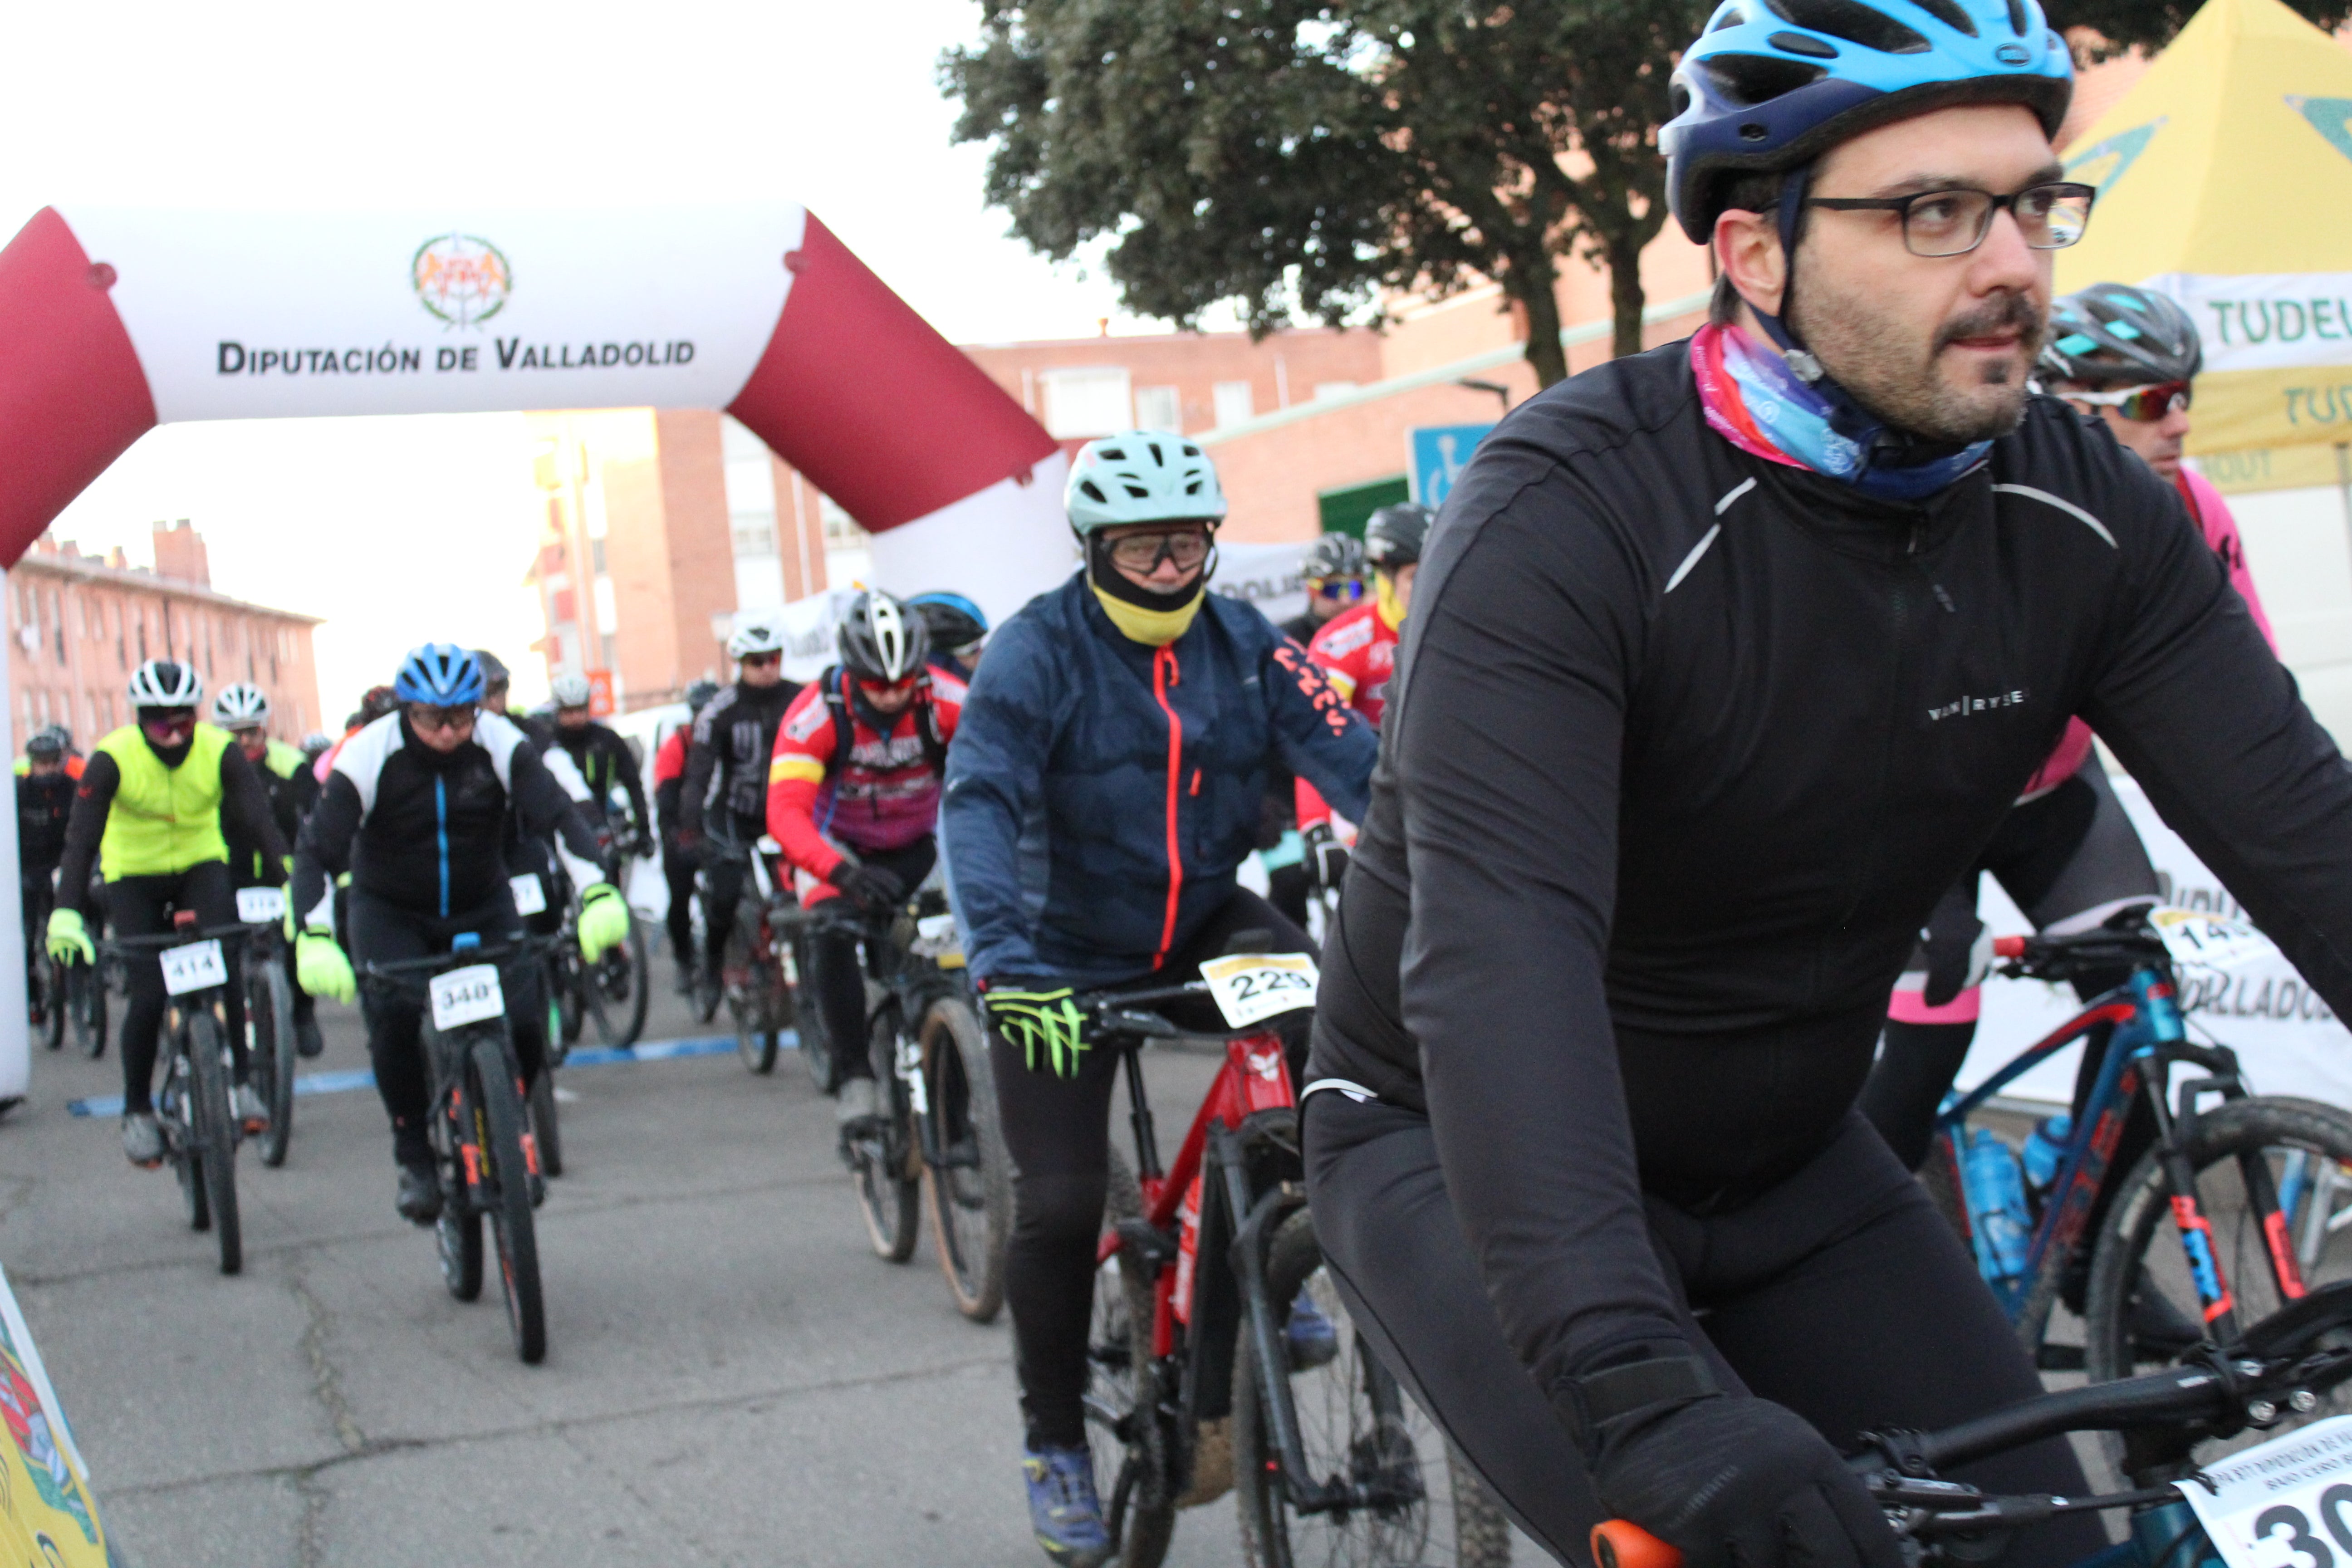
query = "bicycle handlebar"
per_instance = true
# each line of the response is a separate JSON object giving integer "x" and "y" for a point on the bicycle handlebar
{"x": 179, "y": 938}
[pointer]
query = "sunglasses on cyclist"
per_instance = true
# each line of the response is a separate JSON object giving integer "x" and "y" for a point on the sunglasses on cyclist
{"x": 776, "y": 658}
{"x": 887, "y": 687}
{"x": 1349, "y": 588}
{"x": 176, "y": 725}
{"x": 1187, "y": 547}
{"x": 422, "y": 717}
{"x": 2141, "y": 405}
{"x": 1952, "y": 223}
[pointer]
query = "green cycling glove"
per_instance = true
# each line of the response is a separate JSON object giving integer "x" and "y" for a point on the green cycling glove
{"x": 322, "y": 968}
{"x": 68, "y": 939}
{"x": 604, "y": 920}
{"x": 1047, "y": 1021}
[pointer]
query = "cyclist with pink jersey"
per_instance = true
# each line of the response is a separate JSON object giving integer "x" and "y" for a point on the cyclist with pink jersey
{"x": 2067, "y": 854}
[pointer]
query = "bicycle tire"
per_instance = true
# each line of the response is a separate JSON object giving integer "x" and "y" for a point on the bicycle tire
{"x": 755, "y": 1042}
{"x": 631, "y": 979}
{"x": 458, "y": 1233}
{"x": 216, "y": 1134}
{"x": 1464, "y": 1528}
{"x": 507, "y": 1196}
{"x": 569, "y": 1013}
{"x": 2137, "y": 1262}
{"x": 86, "y": 991}
{"x": 546, "y": 1125}
{"x": 269, "y": 1048}
{"x": 54, "y": 987}
{"x": 889, "y": 1199}
{"x": 180, "y": 1141}
{"x": 1126, "y": 1428}
{"x": 969, "y": 1192}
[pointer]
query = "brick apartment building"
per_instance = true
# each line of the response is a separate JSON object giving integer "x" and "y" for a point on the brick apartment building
{"x": 82, "y": 623}
{"x": 660, "y": 525}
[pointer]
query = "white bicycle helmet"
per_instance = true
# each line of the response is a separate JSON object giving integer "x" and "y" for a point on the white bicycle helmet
{"x": 1142, "y": 475}
{"x": 240, "y": 706}
{"x": 755, "y": 632}
{"x": 569, "y": 690}
{"x": 165, "y": 683}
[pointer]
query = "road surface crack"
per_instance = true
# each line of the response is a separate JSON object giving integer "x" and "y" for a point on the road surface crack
{"x": 327, "y": 1388}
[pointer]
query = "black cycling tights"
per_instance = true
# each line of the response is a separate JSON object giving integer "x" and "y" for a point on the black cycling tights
{"x": 139, "y": 905}
{"x": 1059, "y": 1132}
{"x": 1840, "y": 1293}
{"x": 834, "y": 972}
{"x": 384, "y": 932}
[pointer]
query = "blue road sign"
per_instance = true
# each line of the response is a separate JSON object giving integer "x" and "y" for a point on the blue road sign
{"x": 1440, "y": 453}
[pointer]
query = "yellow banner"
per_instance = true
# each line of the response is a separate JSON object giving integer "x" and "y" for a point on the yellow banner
{"x": 2287, "y": 407}
{"x": 2256, "y": 468}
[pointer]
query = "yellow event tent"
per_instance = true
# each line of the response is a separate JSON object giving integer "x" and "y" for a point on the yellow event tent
{"x": 2225, "y": 179}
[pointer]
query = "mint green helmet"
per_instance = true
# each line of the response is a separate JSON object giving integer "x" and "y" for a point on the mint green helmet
{"x": 1142, "y": 475}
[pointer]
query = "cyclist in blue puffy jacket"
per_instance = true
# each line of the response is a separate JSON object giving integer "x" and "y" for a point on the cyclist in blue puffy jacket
{"x": 1102, "y": 790}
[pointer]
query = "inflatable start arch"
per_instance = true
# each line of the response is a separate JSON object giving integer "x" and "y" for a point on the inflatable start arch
{"x": 114, "y": 321}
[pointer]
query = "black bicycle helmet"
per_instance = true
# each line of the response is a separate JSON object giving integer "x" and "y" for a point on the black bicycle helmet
{"x": 45, "y": 747}
{"x": 955, "y": 622}
{"x": 881, "y": 639}
{"x": 1394, "y": 534}
{"x": 700, "y": 692}
{"x": 495, "y": 673}
{"x": 2113, "y": 334}
{"x": 1332, "y": 556}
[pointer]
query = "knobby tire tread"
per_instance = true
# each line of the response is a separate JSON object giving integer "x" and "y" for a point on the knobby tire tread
{"x": 216, "y": 1133}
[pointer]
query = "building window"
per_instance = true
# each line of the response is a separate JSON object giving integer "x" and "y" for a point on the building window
{"x": 1234, "y": 402}
{"x": 1087, "y": 400}
{"x": 1160, "y": 408}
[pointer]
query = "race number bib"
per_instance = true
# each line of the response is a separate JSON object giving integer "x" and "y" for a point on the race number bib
{"x": 258, "y": 906}
{"x": 466, "y": 995}
{"x": 1251, "y": 986}
{"x": 2200, "y": 940}
{"x": 2287, "y": 1503}
{"x": 193, "y": 967}
{"x": 529, "y": 893}
{"x": 936, "y": 939}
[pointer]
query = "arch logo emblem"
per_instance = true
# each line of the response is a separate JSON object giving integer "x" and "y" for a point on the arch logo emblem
{"x": 461, "y": 278}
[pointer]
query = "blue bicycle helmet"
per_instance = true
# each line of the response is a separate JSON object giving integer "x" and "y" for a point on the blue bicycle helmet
{"x": 439, "y": 673}
{"x": 1771, "y": 85}
{"x": 956, "y": 622}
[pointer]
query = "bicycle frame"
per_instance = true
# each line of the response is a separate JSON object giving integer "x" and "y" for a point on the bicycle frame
{"x": 2146, "y": 1038}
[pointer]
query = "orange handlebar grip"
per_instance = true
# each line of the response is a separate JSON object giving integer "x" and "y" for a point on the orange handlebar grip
{"x": 1619, "y": 1544}
{"x": 2009, "y": 947}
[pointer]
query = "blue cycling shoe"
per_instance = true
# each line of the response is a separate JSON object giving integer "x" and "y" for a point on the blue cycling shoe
{"x": 1063, "y": 1507}
{"x": 1312, "y": 1336}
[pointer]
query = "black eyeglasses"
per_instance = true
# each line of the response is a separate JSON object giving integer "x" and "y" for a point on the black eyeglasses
{"x": 1144, "y": 551}
{"x": 1953, "y": 222}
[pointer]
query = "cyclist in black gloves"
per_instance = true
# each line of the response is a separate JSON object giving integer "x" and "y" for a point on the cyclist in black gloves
{"x": 243, "y": 710}
{"x": 677, "y": 863}
{"x": 724, "y": 795}
{"x": 45, "y": 793}
{"x": 1726, "y": 659}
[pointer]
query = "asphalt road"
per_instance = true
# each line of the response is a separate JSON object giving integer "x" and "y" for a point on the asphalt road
{"x": 733, "y": 1378}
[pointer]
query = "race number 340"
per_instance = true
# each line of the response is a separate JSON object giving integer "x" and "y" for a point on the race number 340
{"x": 466, "y": 995}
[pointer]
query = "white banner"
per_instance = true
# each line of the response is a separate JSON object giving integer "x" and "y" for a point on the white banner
{"x": 2266, "y": 321}
{"x": 2288, "y": 1040}
{"x": 245, "y": 315}
{"x": 1265, "y": 576}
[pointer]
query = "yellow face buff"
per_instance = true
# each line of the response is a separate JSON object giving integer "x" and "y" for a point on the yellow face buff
{"x": 1392, "y": 609}
{"x": 1152, "y": 628}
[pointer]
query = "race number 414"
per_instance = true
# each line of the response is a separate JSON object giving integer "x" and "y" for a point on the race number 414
{"x": 2287, "y": 1503}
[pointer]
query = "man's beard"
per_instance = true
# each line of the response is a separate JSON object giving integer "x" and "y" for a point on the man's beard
{"x": 1875, "y": 358}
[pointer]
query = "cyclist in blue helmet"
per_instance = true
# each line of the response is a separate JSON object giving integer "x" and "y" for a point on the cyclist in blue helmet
{"x": 1726, "y": 659}
{"x": 416, "y": 808}
{"x": 957, "y": 627}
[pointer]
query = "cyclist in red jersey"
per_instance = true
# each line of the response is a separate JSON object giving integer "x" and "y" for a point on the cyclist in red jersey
{"x": 854, "y": 798}
{"x": 1356, "y": 650}
{"x": 2067, "y": 854}
{"x": 678, "y": 866}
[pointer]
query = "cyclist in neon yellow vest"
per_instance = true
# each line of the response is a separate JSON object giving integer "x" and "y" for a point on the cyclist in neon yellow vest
{"x": 243, "y": 710}
{"x": 150, "y": 807}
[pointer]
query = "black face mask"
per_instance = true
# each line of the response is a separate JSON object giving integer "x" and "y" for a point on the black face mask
{"x": 170, "y": 756}
{"x": 1111, "y": 581}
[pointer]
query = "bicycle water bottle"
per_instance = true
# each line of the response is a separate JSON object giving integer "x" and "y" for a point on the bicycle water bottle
{"x": 1996, "y": 1212}
{"x": 2045, "y": 1151}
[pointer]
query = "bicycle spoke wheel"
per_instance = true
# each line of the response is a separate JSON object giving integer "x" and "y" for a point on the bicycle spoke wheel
{"x": 546, "y": 1127}
{"x": 616, "y": 989}
{"x": 1412, "y": 1502}
{"x": 755, "y": 1040}
{"x": 2143, "y": 1310}
{"x": 1124, "y": 1427}
{"x": 968, "y": 1178}
{"x": 269, "y": 1047}
{"x": 216, "y": 1134}
{"x": 507, "y": 1192}
{"x": 888, "y": 1193}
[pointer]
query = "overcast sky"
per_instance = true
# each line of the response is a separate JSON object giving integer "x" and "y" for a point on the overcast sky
{"x": 396, "y": 528}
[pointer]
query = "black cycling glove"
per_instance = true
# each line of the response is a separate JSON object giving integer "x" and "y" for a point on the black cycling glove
{"x": 1738, "y": 1482}
{"x": 1958, "y": 951}
{"x": 1326, "y": 857}
{"x": 871, "y": 887}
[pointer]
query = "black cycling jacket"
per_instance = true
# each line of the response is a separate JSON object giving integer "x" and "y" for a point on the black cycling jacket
{"x": 604, "y": 760}
{"x": 1683, "y": 748}
{"x": 426, "y": 830}
{"x": 727, "y": 765}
